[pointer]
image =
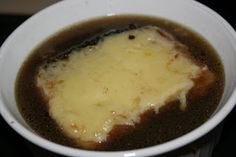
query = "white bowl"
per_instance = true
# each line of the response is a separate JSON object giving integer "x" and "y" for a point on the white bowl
{"x": 66, "y": 13}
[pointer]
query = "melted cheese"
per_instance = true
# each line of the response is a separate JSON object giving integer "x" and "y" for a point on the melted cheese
{"x": 114, "y": 82}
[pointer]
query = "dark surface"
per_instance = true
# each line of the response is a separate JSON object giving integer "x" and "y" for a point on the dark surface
{"x": 11, "y": 144}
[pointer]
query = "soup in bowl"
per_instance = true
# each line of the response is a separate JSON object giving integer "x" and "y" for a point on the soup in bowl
{"x": 128, "y": 79}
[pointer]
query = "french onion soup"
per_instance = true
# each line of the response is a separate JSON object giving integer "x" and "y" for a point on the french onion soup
{"x": 119, "y": 83}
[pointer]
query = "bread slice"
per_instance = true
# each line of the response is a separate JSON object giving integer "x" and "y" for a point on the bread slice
{"x": 117, "y": 80}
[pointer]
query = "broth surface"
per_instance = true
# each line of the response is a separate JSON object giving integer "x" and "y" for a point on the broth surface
{"x": 169, "y": 123}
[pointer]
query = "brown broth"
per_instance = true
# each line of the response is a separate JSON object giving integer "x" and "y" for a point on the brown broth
{"x": 169, "y": 123}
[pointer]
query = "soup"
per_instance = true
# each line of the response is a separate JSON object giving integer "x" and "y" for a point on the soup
{"x": 119, "y": 83}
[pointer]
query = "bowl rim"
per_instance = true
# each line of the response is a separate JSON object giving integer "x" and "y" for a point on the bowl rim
{"x": 157, "y": 149}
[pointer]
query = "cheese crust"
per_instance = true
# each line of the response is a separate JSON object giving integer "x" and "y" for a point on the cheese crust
{"x": 115, "y": 81}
